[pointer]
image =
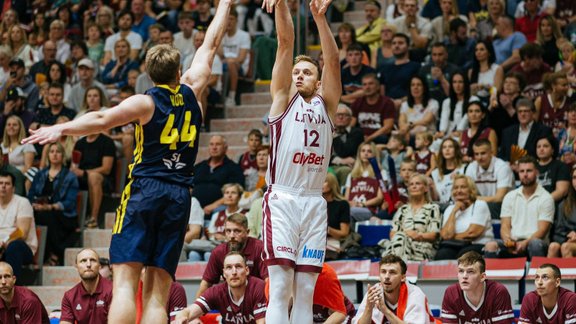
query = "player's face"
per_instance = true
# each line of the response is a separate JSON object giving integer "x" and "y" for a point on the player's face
{"x": 231, "y": 196}
{"x": 483, "y": 155}
{"x": 527, "y": 173}
{"x": 470, "y": 278}
{"x": 7, "y": 280}
{"x": 262, "y": 159}
{"x": 305, "y": 77}
{"x": 235, "y": 235}
{"x": 88, "y": 265}
{"x": 391, "y": 277}
{"x": 546, "y": 283}
{"x": 235, "y": 271}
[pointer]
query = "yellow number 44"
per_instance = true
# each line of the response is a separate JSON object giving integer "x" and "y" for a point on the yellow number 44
{"x": 171, "y": 135}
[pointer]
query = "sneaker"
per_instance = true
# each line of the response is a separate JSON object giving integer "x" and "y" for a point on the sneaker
{"x": 230, "y": 102}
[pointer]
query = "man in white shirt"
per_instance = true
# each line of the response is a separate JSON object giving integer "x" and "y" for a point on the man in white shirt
{"x": 418, "y": 29}
{"x": 527, "y": 215}
{"x": 492, "y": 176}
{"x": 125, "y": 21}
{"x": 183, "y": 40}
{"x": 17, "y": 228}
{"x": 234, "y": 53}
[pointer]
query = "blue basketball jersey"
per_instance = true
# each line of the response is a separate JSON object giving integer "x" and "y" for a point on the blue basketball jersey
{"x": 166, "y": 147}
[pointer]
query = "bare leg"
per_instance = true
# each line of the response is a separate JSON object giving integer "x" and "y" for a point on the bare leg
{"x": 95, "y": 181}
{"x": 125, "y": 285}
{"x": 568, "y": 249}
{"x": 155, "y": 293}
{"x": 554, "y": 250}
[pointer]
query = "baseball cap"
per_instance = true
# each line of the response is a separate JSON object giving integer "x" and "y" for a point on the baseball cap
{"x": 18, "y": 62}
{"x": 15, "y": 93}
{"x": 86, "y": 62}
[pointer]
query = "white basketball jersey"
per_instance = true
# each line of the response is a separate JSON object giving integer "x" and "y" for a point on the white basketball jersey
{"x": 300, "y": 145}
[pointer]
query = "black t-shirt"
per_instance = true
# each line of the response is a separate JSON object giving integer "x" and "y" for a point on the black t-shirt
{"x": 552, "y": 172}
{"x": 351, "y": 83}
{"x": 338, "y": 212}
{"x": 92, "y": 153}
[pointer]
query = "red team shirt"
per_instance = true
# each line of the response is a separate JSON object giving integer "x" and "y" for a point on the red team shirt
{"x": 26, "y": 308}
{"x": 532, "y": 310}
{"x": 78, "y": 306}
{"x": 251, "y": 308}
{"x": 495, "y": 306}
{"x": 252, "y": 251}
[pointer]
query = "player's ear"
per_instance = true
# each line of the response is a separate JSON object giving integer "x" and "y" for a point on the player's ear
{"x": 483, "y": 277}
{"x": 404, "y": 278}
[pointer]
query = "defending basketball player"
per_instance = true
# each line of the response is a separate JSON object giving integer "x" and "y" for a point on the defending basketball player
{"x": 152, "y": 218}
{"x": 294, "y": 222}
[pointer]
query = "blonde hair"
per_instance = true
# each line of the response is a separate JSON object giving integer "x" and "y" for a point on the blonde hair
{"x": 103, "y": 99}
{"x": 24, "y": 35}
{"x": 163, "y": 64}
{"x": 358, "y": 168}
{"x": 61, "y": 149}
{"x": 21, "y": 132}
{"x": 469, "y": 183}
{"x": 334, "y": 186}
{"x": 306, "y": 58}
{"x": 424, "y": 179}
{"x": 425, "y": 136}
{"x": 233, "y": 185}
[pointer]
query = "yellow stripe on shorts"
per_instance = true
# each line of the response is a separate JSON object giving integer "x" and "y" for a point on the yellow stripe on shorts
{"x": 121, "y": 211}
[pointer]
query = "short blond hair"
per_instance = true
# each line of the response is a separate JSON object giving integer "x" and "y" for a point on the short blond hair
{"x": 306, "y": 58}
{"x": 469, "y": 183}
{"x": 163, "y": 64}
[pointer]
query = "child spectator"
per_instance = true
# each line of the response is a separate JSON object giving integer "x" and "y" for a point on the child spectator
{"x": 247, "y": 160}
{"x": 397, "y": 150}
{"x": 425, "y": 159}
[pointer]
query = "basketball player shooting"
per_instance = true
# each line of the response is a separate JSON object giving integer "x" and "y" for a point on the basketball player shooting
{"x": 295, "y": 216}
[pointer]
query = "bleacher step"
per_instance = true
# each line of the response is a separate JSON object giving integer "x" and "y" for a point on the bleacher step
{"x": 235, "y": 124}
{"x": 95, "y": 238}
{"x": 355, "y": 15}
{"x": 256, "y": 98}
{"x": 51, "y": 296}
{"x": 70, "y": 254}
{"x": 248, "y": 111}
{"x": 60, "y": 276}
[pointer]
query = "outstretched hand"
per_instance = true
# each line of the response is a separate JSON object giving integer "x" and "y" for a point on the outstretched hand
{"x": 43, "y": 135}
{"x": 319, "y": 7}
{"x": 268, "y": 5}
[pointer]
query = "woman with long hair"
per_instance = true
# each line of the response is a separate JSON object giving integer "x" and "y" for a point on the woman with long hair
{"x": 416, "y": 225}
{"x": 53, "y": 196}
{"x": 115, "y": 74}
{"x": 57, "y": 73}
{"x": 95, "y": 43}
{"x": 485, "y": 27}
{"x": 67, "y": 142}
{"x": 362, "y": 189}
{"x": 564, "y": 239}
{"x": 485, "y": 75}
{"x": 346, "y": 36}
{"x": 20, "y": 156}
{"x": 452, "y": 118}
{"x": 552, "y": 105}
{"x": 420, "y": 111}
{"x": 553, "y": 175}
{"x": 105, "y": 19}
{"x": 567, "y": 138}
{"x": 18, "y": 42}
{"x": 383, "y": 54}
{"x": 441, "y": 24}
{"x": 94, "y": 100}
{"x": 466, "y": 225}
{"x": 338, "y": 213}
{"x": 450, "y": 164}
{"x": 476, "y": 130}
{"x": 38, "y": 30}
{"x": 9, "y": 19}
{"x": 547, "y": 35}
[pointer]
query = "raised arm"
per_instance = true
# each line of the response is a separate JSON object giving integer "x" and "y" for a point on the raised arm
{"x": 331, "y": 88}
{"x": 137, "y": 107}
{"x": 198, "y": 74}
{"x": 281, "y": 87}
